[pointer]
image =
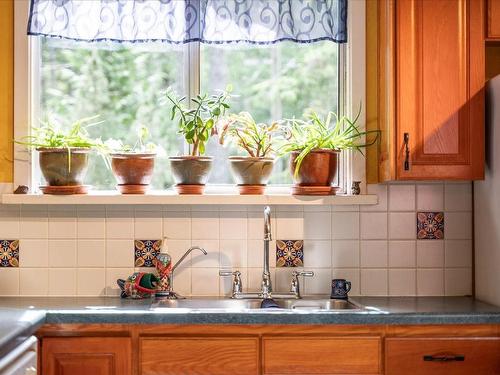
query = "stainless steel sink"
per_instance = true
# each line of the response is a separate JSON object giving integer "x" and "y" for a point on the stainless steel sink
{"x": 306, "y": 304}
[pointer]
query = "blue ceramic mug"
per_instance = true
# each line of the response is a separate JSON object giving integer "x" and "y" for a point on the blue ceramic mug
{"x": 340, "y": 288}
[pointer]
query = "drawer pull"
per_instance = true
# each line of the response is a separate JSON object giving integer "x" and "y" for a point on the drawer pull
{"x": 444, "y": 358}
{"x": 406, "y": 140}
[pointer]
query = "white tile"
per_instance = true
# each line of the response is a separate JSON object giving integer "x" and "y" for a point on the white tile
{"x": 62, "y": 282}
{"x": 9, "y": 222}
{"x": 205, "y": 225}
{"x": 233, "y": 225}
{"x": 320, "y": 283}
{"x": 120, "y": 224}
{"x": 120, "y": 253}
{"x": 177, "y": 225}
{"x": 9, "y": 281}
{"x": 254, "y": 279}
{"x": 430, "y": 282}
{"x": 402, "y": 226}
{"x": 352, "y": 275}
{"x": 283, "y": 279}
{"x": 402, "y": 282}
{"x": 343, "y": 208}
{"x": 91, "y": 253}
{"x": 212, "y": 259}
{"x": 226, "y": 283}
{"x": 430, "y": 197}
{"x": 327, "y": 208}
{"x": 458, "y": 225}
{"x": 205, "y": 281}
{"x": 255, "y": 253}
{"x": 256, "y": 225}
{"x": 91, "y": 282}
{"x": 182, "y": 281}
{"x": 177, "y": 248}
{"x": 289, "y": 225}
{"x": 233, "y": 254}
{"x": 458, "y": 196}
{"x": 112, "y": 275}
{"x": 232, "y": 207}
{"x": 148, "y": 225}
{"x": 288, "y": 208}
{"x": 381, "y": 191}
{"x": 373, "y": 225}
{"x": 91, "y": 223}
{"x": 317, "y": 225}
{"x": 402, "y": 254}
{"x": 34, "y": 281}
{"x": 35, "y": 223}
{"x": 401, "y": 197}
{"x": 62, "y": 222}
{"x": 33, "y": 253}
{"x": 345, "y": 253}
{"x": 62, "y": 253}
{"x": 345, "y": 225}
{"x": 458, "y": 253}
{"x": 430, "y": 253}
{"x": 458, "y": 282}
{"x": 373, "y": 254}
{"x": 317, "y": 254}
{"x": 374, "y": 282}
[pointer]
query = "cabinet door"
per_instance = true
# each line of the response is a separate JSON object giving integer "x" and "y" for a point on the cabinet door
{"x": 435, "y": 356}
{"x": 321, "y": 355}
{"x": 493, "y": 19}
{"x": 199, "y": 355}
{"x": 86, "y": 356}
{"x": 439, "y": 89}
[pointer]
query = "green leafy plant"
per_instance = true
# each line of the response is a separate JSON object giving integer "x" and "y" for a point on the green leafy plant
{"x": 332, "y": 132}
{"x": 140, "y": 146}
{"x": 198, "y": 123}
{"x": 50, "y": 135}
{"x": 257, "y": 139}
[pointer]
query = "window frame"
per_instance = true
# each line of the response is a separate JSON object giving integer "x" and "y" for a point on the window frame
{"x": 351, "y": 86}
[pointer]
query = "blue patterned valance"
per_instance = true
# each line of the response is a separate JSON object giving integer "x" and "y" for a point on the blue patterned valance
{"x": 184, "y": 21}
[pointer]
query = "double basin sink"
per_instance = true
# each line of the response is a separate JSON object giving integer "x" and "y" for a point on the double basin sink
{"x": 306, "y": 304}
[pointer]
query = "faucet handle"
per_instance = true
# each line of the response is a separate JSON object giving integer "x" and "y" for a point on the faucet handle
{"x": 237, "y": 286}
{"x": 295, "y": 284}
{"x": 303, "y": 273}
{"x": 226, "y": 273}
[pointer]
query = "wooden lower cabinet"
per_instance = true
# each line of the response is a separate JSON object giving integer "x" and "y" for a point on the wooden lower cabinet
{"x": 114, "y": 349}
{"x": 86, "y": 356}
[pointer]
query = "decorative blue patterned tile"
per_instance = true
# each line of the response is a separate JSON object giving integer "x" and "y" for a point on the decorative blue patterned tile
{"x": 145, "y": 251}
{"x": 430, "y": 225}
{"x": 289, "y": 253}
{"x": 9, "y": 253}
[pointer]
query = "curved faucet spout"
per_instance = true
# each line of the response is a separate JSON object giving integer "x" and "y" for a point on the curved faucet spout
{"x": 186, "y": 254}
{"x": 267, "y": 223}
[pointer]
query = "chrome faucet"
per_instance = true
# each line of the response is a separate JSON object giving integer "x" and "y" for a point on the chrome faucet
{"x": 266, "y": 290}
{"x": 170, "y": 294}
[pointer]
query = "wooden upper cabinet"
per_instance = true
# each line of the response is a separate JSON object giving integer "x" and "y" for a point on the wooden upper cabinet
{"x": 493, "y": 22}
{"x": 86, "y": 356}
{"x": 432, "y": 114}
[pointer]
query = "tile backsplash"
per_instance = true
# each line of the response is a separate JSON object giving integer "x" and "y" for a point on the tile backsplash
{"x": 82, "y": 250}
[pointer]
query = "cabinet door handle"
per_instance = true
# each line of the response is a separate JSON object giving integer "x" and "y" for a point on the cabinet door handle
{"x": 406, "y": 140}
{"x": 444, "y": 358}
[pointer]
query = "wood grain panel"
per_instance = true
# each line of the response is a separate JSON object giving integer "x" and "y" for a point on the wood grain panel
{"x": 466, "y": 356}
{"x": 493, "y": 25}
{"x": 199, "y": 355}
{"x": 321, "y": 355}
{"x": 86, "y": 355}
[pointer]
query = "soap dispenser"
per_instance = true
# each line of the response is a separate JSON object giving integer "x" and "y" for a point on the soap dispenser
{"x": 163, "y": 265}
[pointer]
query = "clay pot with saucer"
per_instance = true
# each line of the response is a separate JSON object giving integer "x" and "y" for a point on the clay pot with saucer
{"x": 190, "y": 173}
{"x": 133, "y": 171}
{"x": 251, "y": 174}
{"x": 318, "y": 170}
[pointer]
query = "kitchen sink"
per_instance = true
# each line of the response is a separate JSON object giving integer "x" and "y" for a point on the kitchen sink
{"x": 216, "y": 304}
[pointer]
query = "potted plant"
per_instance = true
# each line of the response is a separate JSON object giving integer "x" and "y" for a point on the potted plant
{"x": 63, "y": 155}
{"x": 251, "y": 173}
{"x": 197, "y": 124}
{"x": 133, "y": 166}
{"x": 314, "y": 146}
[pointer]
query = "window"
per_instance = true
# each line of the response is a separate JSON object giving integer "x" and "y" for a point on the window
{"x": 123, "y": 84}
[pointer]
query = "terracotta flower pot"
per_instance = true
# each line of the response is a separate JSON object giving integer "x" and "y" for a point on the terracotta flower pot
{"x": 251, "y": 174}
{"x": 317, "y": 172}
{"x": 133, "y": 171}
{"x": 190, "y": 173}
{"x": 62, "y": 169}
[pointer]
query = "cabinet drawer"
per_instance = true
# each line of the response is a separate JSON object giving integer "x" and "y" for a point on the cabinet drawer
{"x": 434, "y": 356}
{"x": 321, "y": 355}
{"x": 199, "y": 355}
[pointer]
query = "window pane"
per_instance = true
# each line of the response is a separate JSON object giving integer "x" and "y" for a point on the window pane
{"x": 123, "y": 85}
{"x": 271, "y": 82}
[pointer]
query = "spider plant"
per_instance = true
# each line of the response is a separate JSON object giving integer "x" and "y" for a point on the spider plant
{"x": 331, "y": 132}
